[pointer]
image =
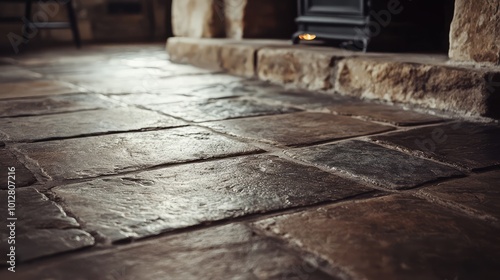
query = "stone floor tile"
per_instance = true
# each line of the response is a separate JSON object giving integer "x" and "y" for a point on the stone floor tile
{"x": 220, "y": 109}
{"x": 215, "y": 91}
{"x": 226, "y": 252}
{"x": 122, "y": 69}
{"x": 384, "y": 113}
{"x": 178, "y": 95}
{"x": 110, "y": 154}
{"x": 41, "y": 228}
{"x": 83, "y": 123}
{"x": 394, "y": 237}
{"x": 298, "y": 128}
{"x": 90, "y": 70}
{"x": 155, "y": 85}
{"x": 14, "y": 74}
{"x": 193, "y": 93}
{"x": 376, "y": 164}
{"x": 23, "y": 176}
{"x": 36, "y": 88}
{"x": 468, "y": 145}
{"x": 147, "y": 99}
{"x": 301, "y": 99}
{"x": 480, "y": 192}
{"x": 52, "y": 104}
{"x": 151, "y": 202}
{"x": 5, "y": 61}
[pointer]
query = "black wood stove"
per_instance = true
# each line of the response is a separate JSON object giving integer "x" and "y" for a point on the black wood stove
{"x": 378, "y": 25}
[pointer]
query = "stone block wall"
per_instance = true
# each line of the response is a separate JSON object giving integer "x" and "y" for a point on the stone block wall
{"x": 197, "y": 18}
{"x": 475, "y": 32}
{"x": 236, "y": 19}
{"x": 474, "y": 35}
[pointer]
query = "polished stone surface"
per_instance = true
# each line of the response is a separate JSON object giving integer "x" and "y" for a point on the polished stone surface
{"x": 393, "y": 237}
{"x": 179, "y": 95}
{"x": 116, "y": 190}
{"x": 147, "y": 98}
{"x": 83, "y": 123}
{"x": 468, "y": 145}
{"x": 299, "y": 98}
{"x": 11, "y": 73}
{"x": 42, "y": 228}
{"x": 36, "y": 88}
{"x": 298, "y": 128}
{"x": 226, "y": 252}
{"x": 221, "y": 109}
{"x": 53, "y": 104}
{"x": 479, "y": 192}
{"x": 374, "y": 163}
{"x": 384, "y": 113}
{"x": 182, "y": 196}
{"x": 23, "y": 176}
{"x": 110, "y": 154}
{"x": 151, "y": 84}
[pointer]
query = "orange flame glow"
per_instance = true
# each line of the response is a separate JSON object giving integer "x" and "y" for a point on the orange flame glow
{"x": 307, "y": 37}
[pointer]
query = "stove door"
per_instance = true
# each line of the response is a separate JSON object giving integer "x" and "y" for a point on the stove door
{"x": 336, "y": 7}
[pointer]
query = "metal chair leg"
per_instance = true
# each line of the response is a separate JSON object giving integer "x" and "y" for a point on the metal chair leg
{"x": 27, "y": 15}
{"x": 74, "y": 24}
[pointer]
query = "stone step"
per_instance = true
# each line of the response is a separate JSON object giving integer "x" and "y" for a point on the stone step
{"x": 426, "y": 80}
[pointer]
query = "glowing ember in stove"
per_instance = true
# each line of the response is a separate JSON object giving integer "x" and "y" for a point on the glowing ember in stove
{"x": 307, "y": 37}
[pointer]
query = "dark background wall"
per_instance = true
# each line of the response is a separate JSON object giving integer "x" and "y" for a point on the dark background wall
{"x": 99, "y": 21}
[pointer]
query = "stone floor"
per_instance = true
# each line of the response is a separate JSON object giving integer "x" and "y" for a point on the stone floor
{"x": 128, "y": 166}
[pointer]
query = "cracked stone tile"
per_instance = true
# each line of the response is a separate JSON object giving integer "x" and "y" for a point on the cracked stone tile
{"x": 36, "y": 88}
{"x": 52, "y": 104}
{"x": 479, "y": 192}
{"x": 15, "y": 74}
{"x": 468, "y": 145}
{"x": 152, "y": 202}
{"x": 217, "y": 91}
{"x": 307, "y": 100}
{"x": 23, "y": 176}
{"x": 155, "y": 85}
{"x": 298, "y": 128}
{"x": 375, "y": 164}
{"x": 44, "y": 59}
{"x": 110, "y": 154}
{"x": 42, "y": 228}
{"x": 85, "y": 71}
{"x": 219, "y": 109}
{"x": 147, "y": 98}
{"x": 225, "y": 252}
{"x": 384, "y": 113}
{"x": 83, "y": 123}
{"x": 214, "y": 91}
{"x": 5, "y": 61}
{"x": 393, "y": 237}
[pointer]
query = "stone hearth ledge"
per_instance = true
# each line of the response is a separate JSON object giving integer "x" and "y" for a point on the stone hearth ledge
{"x": 430, "y": 81}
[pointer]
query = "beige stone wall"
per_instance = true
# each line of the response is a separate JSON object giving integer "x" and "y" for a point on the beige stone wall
{"x": 235, "y": 19}
{"x": 197, "y": 18}
{"x": 260, "y": 18}
{"x": 475, "y": 31}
